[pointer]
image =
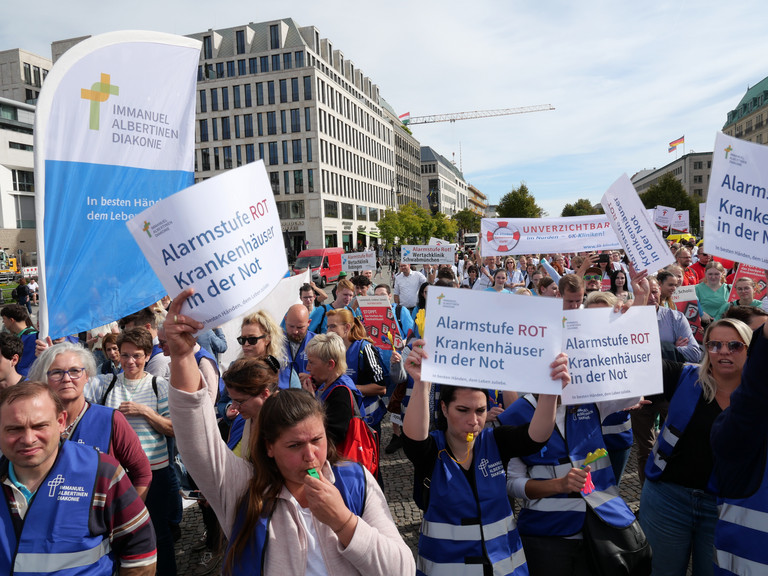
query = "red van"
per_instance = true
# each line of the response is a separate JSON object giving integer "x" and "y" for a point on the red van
{"x": 325, "y": 264}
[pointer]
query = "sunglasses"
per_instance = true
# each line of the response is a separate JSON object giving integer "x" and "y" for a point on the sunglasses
{"x": 733, "y": 345}
{"x": 589, "y": 277}
{"x": 250, "y": 339}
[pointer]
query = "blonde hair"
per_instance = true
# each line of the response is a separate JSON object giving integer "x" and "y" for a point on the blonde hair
{"x": 708, "y": 382}
{"x": 601, "y": 298}
{"x": 276, "y": 346}
{"x": 327, "y": 347}
{"x": 523, "y": 291}
{"x": 719, "y": 267}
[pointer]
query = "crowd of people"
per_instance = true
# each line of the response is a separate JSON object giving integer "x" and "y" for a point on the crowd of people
{"x": 281, "y": 447}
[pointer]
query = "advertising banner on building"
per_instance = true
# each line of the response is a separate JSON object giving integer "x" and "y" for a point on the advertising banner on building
{"x": 380, "y": 322}
{"x": 114, "y": 134}
{"x": 639, "y": 237}
{"x": 737, "y": 202}
{"x": 222, "y": 238}
{"x": 358, "y": 261}
{"x": 505, "y": 236}
{"x": 662, "y": 217}
{"x": 427, "y": 254}
{"x": 681, "y": 222}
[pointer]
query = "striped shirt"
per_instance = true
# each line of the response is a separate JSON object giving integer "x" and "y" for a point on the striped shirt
{"x": 141, "y": 392}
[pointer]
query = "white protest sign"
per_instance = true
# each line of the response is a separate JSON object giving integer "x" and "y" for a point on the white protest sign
{"x": 358, "y": 261}
{"x": 702, "y": 212}
{"x": 681, "y": 222}
{"x": 427, "y": 254}
{"x": 640, "y": 238}
{"x": 481, "y": 339}
{"x": 221, "y": 237}
{"x": 611, "y": 356}
{"x": 662, "y": 217}
{"x": 737, "y": 203}
{"x": 505, "y": 236}
{"x": 437, "y": 241}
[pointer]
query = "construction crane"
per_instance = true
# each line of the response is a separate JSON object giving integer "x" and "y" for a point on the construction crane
{"x": 407, "y": 119}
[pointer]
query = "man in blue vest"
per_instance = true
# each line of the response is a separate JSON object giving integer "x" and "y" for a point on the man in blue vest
{"x": 297, "y": 333}
{"x": 66, "y": 508}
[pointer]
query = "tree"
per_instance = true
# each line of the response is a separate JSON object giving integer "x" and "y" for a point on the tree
{"x": 519, "y": 203}
{"x": 445, "y": 228}
{"x": 669, "y": 191}
{"x": 467, "y": 221}
{"x": 582, "y": 207}
{"x": 390, "y": 227}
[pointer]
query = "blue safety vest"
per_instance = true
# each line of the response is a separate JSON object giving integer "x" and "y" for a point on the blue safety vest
{"x": 373, "y": 408}
{"x": 95, "y": 428}
{"x": 617, "y": 431}
{"x": 296, "y": 364}
{"x": 342, "y": 380}
{"x": 203, "y": 353}
{"x": 350, "y": 481}
{"x": 563, "y": 514}
{"x": 681, "y": 408}
{"x": 741, "y": 533}
{"x": 55, "y": 535}
{"x": 459, "y": 531}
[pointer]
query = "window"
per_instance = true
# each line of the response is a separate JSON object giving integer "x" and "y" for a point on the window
{"x": 225, "y": 98}
{"x": 216, "y": 159}
{"x": 285, "y": 151}
{"x": 203, "y": 105}
{"x": 261, "y": 150}
{"x": 249, "y": 154}
{"x": 248, "y": 125}
{"x": 307, "y": 119}
{"x": 25, "y": 211}
{"x": 239, "y": 154}
{"x": 207, "y": 47}
{"x": 27, "y": 73}
{"x": 230, "y": 69}
{"x": 295, "y": 120}
{"x": 237, "y": 127}
{"x": 331, "y": 240}
{"x": 287, "y": 65}
{"x": 199, "y": 73}
{"x": 307, "y": 88}
{"x": 331, "y": 209}
{"x": 283, "y": 91}
{"x": 227, "y": 157}
{"x": 362, "y": 213}
{"x": 270, "y": 92}
{"x": 274, "y": 37}
{"x": 264, "y": 64}
{"x": 347, "y": 211}
{"x": 36, "y": 76}
{"x": 205, "y": 156}
{"x": 299, "y": 57}
{"x": 215, "y": 127}
{"x": 236, "y": 95}
{"x": 698, "y": 192}
{"x": 225, "y": 134}
{"x": 275, "y": 62}
{"x": 309, "y": 149}
{"x": 20, "y": 146}
{"x": 259, "y": 94}
{"x": 292, "y": 209}
{"x": 698, "y": 179}
{"x": 274, "y": 180}
{"x": 240, "y": 41}
{"x": 241, "y": 67}
{"x": 209, "y": 72}
{"x": 274, "y": 160}
{"x": 271, "y": 123}
{"x": 214, "y": 99}
{"x": 373, "y": 214}
{"x": 203, "y": 130}
{"x": 698, "y": 165}
{"x": 310, "y": 181}
{"x": 296, "y": 146}
{"x": 298, "y": 182}
{"x": 247, "y": 91}
{"x": 294, "y": 89}
{"x": 286, "y": 183}
{"x": 23, "y": 180}
{"x": 219, "y": 69}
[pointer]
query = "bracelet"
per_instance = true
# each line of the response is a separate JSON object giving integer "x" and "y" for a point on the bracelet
{"x": 351, "y": 515}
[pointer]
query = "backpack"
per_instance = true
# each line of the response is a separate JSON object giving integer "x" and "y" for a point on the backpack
{"x": 112, "y": 385}
{"x": 15, "y": 293}
{"x": 361, "y": 444}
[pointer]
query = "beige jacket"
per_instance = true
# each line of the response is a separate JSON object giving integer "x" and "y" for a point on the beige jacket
{"x": 376, "y": 547}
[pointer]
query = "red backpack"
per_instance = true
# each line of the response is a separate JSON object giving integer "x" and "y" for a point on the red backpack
{"x": 361, "y": 444}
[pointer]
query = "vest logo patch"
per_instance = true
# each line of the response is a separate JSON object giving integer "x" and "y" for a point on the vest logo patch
{"x": 65, "y": 493}
{"x": 53, "y": 484}
{"x": 493, "y": 469}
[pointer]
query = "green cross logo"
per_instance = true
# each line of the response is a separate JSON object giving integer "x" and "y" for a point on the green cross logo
{"x": 146, "y": 229}
{"x": 99, "y": 92}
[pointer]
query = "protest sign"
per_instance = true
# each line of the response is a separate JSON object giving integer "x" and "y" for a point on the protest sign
{"x": 737, "y": 203}
{"x": 481, "y": 339}
{"x": 358, "y": 261}
{"x": 114, "y": 133}
{"x": 662, "y": 217}
{"x": 437, "y": 242}
{"x": 380, "y": 322}
{"x": 639, "y": 237}
{"x": 610, "y": 355}
{"x": 702, "y": 212}
{"x": 229, "y": 250}
{"x": 507, "y": 236}
{"x": 681, "y": 222}
{"x": 756, "y": 274}
{"x": 687, "y": 304}
{"x": 427, "y": 254}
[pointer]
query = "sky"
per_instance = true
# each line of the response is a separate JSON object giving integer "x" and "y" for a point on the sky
{"x": 625, "y": 78}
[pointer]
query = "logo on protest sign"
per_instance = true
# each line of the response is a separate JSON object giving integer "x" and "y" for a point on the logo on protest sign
{"x": 146, "y": 229}
{"x": 99, "y": 92}
{"x": 504, "y": 237}
{"x": 728, "y": 150}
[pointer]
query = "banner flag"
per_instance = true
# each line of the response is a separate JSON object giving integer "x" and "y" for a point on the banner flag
{"x": 662, "y": 217}
{"x": 681, "y": 222}
{"x": 114, "y": 134}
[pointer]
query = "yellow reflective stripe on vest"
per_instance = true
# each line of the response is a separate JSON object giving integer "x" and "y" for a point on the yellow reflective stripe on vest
{"x": 753, "y": 519}
{"x": 443, "y": 531}
{"x": 737, "y": 564}
{"x": 43, "y": 563}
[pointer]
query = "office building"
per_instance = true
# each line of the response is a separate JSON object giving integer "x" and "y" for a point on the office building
{"x": 748, "y": 119}
{"x": 693, "y": 170}
{"x": 443, "y": 186}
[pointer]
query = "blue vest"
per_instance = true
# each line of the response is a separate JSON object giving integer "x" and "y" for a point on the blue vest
{"x": 318, "y": 322}
{"x": 296, "y": 364}
{"x": 203, "y": 353}
{"x": 373, "y": 408}
{"x": 681, "y": 409}
{"x": 460, "y": 531}
{"x": 55, "y": 535}
{"x": 617, "y": 431}
{"x": 563, "y": 514}
{"x": 349, "y": 480}
{"x": 95, "y": 428}
{"x": 741, "y": 533}
{"x": 342, "y": 380}
{"x": 236, "y": 432}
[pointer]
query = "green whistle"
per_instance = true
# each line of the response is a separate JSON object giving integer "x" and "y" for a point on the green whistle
{"x": 313, "y": 472}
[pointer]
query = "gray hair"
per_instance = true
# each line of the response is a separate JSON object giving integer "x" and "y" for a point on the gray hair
{"x": 39, "y": 370}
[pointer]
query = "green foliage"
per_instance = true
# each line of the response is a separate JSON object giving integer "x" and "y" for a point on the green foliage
{"x": 390, "y": 227}
{"x": 413, "y": 224}
{"x": 582, "y": 207}
{"x": 519, "y": 203}
{"x": 467, "y": 221}
{"x": 669, "y": 191}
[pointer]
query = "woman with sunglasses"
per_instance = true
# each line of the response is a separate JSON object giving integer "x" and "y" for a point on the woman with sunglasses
{"x": 66, "y": 368}
{"x": 678, "y": 512}
{"x": 261, "y": 336}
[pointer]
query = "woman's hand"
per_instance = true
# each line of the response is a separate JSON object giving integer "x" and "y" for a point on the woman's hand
{"x": 180, "y": 329}
{"x": 326, "y": 503}
{"x": 575, "y": 480}
{"x": 413, "y": 362}
{"x": 560, "y": 369}
{"x": 640, "y": 285}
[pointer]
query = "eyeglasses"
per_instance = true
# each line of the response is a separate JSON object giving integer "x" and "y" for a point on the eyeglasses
{"x": 134, "y": 357}
{"x": 589, "y": 277}
{"x": 58, "y": 375}
{"x": 250, "y": 339}
{"x": 733, "y": 345}
{"x": 236, "y": 404}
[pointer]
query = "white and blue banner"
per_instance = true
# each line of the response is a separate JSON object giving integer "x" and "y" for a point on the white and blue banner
{"x": 114, "y": 134}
